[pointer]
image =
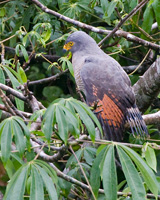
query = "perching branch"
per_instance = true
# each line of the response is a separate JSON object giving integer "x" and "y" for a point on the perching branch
{"x": 148, "y": 86}
{"x": 118, "y": 33}
{"x": 13, "y": 92}
{"x": 49, "y": 79}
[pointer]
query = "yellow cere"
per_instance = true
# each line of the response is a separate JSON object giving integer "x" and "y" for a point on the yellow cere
{"x": 68, "y": 46}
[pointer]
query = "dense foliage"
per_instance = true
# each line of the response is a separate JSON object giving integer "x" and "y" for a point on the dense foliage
{"x": 48, "y": 144}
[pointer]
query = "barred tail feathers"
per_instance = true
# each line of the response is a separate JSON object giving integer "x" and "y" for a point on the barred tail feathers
{"x": 136, "y": 122}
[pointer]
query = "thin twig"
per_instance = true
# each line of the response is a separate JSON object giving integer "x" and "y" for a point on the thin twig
{"x": 122, "y": 21}
{"x": 12, "y": 36}
{"x": 141, "y": 62}
{"x": 40, "y": 150}
{"x": 83, "y": 172}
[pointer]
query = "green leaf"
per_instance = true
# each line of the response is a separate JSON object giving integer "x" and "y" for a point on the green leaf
{"x": 2, "y": 76}
{"x": 109, "y": 175}
{"x": 22, "y": 74}
{"x": 16, "y": 186}
{"x": 86, "y": 119}
{"x": 50, "y": 171}
{"x": 6, "y": 139}
{"x": 148, "y": 19}
{"x": 70, "y": 67}
{"x": 72, "y": 120}
{"x": 48, "y": 121}
{"x": 48, "y": 184}
{"x": 36, "y": 189}
{"x": 89, "y": 154}
{"x": 2, "y": 12}
{"x": 92, "y": 115}
{"x": 156, "y": 8}
{"x": 62, "y": 124}
{"x": 151, "y": 158}
{"x": 15, "y": 83}
{"x": 24, "y": 127}
{"x": 132, "y": 176}
{"x": 95, "y": 172}
{"x": 72, "y": 159}
{"x": 147, "y": 173}
{"x": 19, "y": 137}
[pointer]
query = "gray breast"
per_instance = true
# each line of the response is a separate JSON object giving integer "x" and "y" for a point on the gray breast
{"x": 77, "y": 66}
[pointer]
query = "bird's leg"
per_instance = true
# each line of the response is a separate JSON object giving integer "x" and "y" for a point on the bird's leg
{"x": 80, "y": 94}
{"x": 95, "y": 106}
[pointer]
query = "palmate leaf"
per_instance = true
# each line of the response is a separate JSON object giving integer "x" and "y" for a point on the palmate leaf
{"x": 15, "y": 83}
{"x": 6, "y": 139}
{"x": 39, "y": 179}
{"x": 12, "y": 126}
{"x": 95, "y": 172}
{"x": 16, "y": 186}
{"x": 36, "y": 191}
{"x": 48, "y": 121}
{"x": 63, "y": 113}
{"x": 132, "y": 176}
{"x": 48, "y": 184}
{"x": 109, "y": 175}
{"x": 147, "y": 173}
{"x": 86, "y": 119}
{"x": 62, "y": 124}
{"x": 49, "y": 170}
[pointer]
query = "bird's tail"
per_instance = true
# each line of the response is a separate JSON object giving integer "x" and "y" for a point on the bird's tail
{"x": 136, "y": 122}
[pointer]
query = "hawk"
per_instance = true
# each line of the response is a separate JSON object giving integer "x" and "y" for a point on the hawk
{"x": 106, "y": 85}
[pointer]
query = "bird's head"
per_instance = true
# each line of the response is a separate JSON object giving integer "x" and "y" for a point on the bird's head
{"x": 79, "y": 41}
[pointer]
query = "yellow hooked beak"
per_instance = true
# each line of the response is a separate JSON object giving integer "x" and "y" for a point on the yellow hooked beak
{"x": 68, "y": 46}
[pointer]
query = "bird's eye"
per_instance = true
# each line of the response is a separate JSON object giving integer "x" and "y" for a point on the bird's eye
{"x": 71, "y": 43}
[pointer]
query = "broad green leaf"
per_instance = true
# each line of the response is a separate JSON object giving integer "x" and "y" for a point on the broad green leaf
{"x": 62, "y": 124}
{"x": 2, "y": 12}
{"x": 24, "y": 127}
{"x": 89, "y": 154}
{"x": 156, "y": 8}
{"x": 148, "y": 19}
{"x": 22, "y": 74}
{"x": 16, "y": 186}
{"x": 86, "y": 120}
{"x": 48, "y": 121}
{"x": 71, "y": 120}
{"x": 95, "y": 172}
{"x": 50, "y": 171}
{"x": 36, "y": 189}
{"x": 147, "y": 173}
{"x": 69, "y": 106}
{"x": 72, "y": 159}
{"x": 92, "y": 115}
{"x": 2, "y": 76}
{"x": 70, "y": 67}
{"x": 6, "y": 139}
{"x": 15, "y": 83}
{"x": 19, "y": 137}
{"x": 109, "y": 175}
{"x": 132, "y": 176}
{"x": 151, "y": 158}
{"x": 48, "y": 184}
